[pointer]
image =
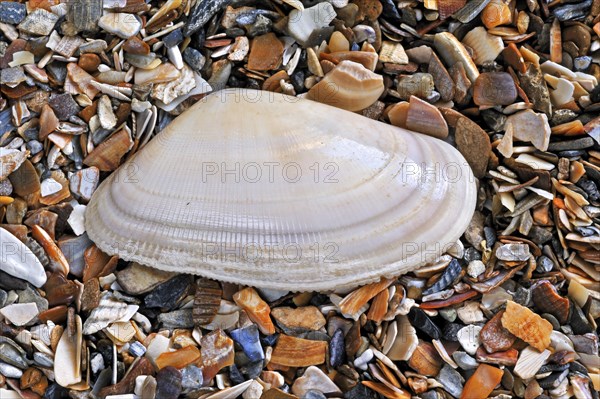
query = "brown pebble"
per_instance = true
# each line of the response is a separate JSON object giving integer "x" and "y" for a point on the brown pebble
{"x": 266, "y": 52}
{"x": 57, "y": 314}
{"x": 494, "y": 337}
{"x": 135, "y": 45}
{"x": 90, "y": 298}
{"x": 441, "y": 78}
{"x": 548, "y": 300}
{"x": 513, "y": 57}
{"x": 425, "y": 118}
{"x": 89, "y": 62}
{"x": 474, "y": 144}
{"x": 494, "y": 88}
{"x": 368, "y": 9}
{"x": 60, "y": 290}
{"x": 425, "y": 359}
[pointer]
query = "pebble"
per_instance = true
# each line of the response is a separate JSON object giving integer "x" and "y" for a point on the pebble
{"x": 303, "y": 24}
{"x": 299, "y": 319}
{"x": 468, "y": 337}
{"x": 138, "y": 279}
{"x": 202, "y": 12}
{"x": 577, "y": 144}
{"x": 337, "y": 352}
{"x": 527, "y": 325}
{"x": 470, "y": 313}
{"x": 266, "y": 52}
{"x": 475, "y": 268}
{"x": 181, "y": 318}
{"x": 121, "y": 24}
{"x": 63, "y": 105}
{"x": 314, "y": 379}
{"x": 451, "y": 380}
{"x": 191, "y": 378}
{"x": 248, "y": 338}
{"x": 168, "y": 383}
{"x": 464, "y": 361}
{"x": 39, "y": 22}
{"x": 494, "y": 337}
{"x": 194, "y": 59}
{"x": 10, "y": 371}
{"x": 494, "y": 88}
{"x": 20, "y": 314}
{"x": 513, "y": 252}
{"x": 12, "y": 12}
{"x": 362, "y": 361}
{"x": 168, "y": 294}
{"x": 419, "y": 84}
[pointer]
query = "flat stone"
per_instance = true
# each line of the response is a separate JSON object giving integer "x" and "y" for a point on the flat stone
{"x": 303, "y": 318}
{"x": 181, "y": 318}
{"x": 494, "y": 88}
{"x": 464, "y": 361}
{"x": 578, "y": 144}
{"x": 12, "y": 76}
{"x": 266, "y": 53}
{"x": 138, "y": 279}
{"x": 20, "y": 314}
{"x": 419, "y": 84}
{"x": 393, "y": 53}
{"x": 194, "y": 58}
{"x": 29, "y": 295}
{"x": 64, "y": 105}
{"x": 39, "y": 22}
{"x": 471, "y": 10}
{"x": 474, "y": 144}
{"x": 451, "y": 380}
{"x": 441, "y": 78}
{"x": 12, "y": 12}
{"x": 513, "y": 252}
{"x": 314, "y": 378}
{"x": 337, "y": 351}
{"x": 534, "y": 85}
{"x": 123, "y": 24}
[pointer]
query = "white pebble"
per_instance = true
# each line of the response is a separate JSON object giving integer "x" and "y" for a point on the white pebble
{"x": 468, "y": 337}
{"x": 362, "y": 361}
{"x": 76, "y": 219}
{"x": 475, "y": 268}
{"x": 50, "y": 186}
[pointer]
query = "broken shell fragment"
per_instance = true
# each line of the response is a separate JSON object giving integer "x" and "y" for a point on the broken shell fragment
{"x": 298, "y": 352}
{"x": 19, "y": 261}
{"x": 366, "y": 173}
{"x": 528, "y": 326}
{"x": 68, "y": 357}
{"x": 349, "y": 85}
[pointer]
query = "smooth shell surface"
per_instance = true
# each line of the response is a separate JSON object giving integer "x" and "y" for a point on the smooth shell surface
{"x": 273, "y": 191}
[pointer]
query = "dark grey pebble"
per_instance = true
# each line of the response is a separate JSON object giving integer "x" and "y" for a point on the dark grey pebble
{"x": 248, "y": 338}
{"x": 236, "y": 375}
{"x": 471, "y": 10}
{"x": 181, "y": 318}
{"x": 423, "y": 323}
{"x": 571, "y": 153}
{"x": 260, "y": 26}
{"x": 8, "y": 282}
{"x": 168, "y": 383}
{"x": 595, "y": 94}
{"x": 552, "y": 320}
{"x": 544, "y": 264}
{"x": 12, "y": 12}
{"x": 390, "y": 11}
{"x": 451, "y": 331}
{"x": 337, "y": 351}
{"x": 551, "y": 368}
{"x": 578, "y": 321}
{"x": 590, "y": 188}
{"x": 34, "y": 146}
{"x": 194, "y": 58}
{"x": 3, "y": 297}
{"x": 577, "y": 144}
{"x": 560, "y": 116}
{"x": 168, "y": 294}
{"x": 490, "y": 236}
{"x": 173, "y": 38}
{"x": 361, "y": 392}
{"x": 522, "y": 296}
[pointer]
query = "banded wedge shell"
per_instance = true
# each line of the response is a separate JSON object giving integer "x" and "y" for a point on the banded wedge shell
{"x": 273, "y": 191}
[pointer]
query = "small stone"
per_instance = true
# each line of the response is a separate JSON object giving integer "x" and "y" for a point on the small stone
{"x": 482, "y": 382}
{"x": 528, "y": 326}
{"x": 12, "y": 12}
{"x": 64, "y": 105}
{"x": 257, "y": 309}
{"x": 181, "y": 318}
{"x": 474, "y": 144}
{"x": 266, "y": 52}
{"x": 451, "y": 380}
{"x": 83, "y": 182}
{"x": 494, "y": 88}
{"x": 12, "y": 76}
{"x": 217, "y": 352}
{"x": 494, "y": 337}
{"x": 194, "y": 58}
{"x": 248, "y": 338}
{"x": 168, "y": 383}
{"x": 392, "y": 52}
{"x": 20, "y": 314}
{"x": 168, "y": 294}
{"x": 422, "y": 322}
{"x": 169, "y": 91}
{"x": 513, "y": 252}
{"x": 441, "y": 77}
{"x": 475, "y": 268}
{"x": 468, "y": 337}
{"x": 314, "y": 378}
{"x": 337, "y": 351}
{"x": 419, "y": 84}
{"x": 10, "y": 371}
{"x": 470, "y": 313}
{"x": 303, "y": 318}
{"x": 179, "y": 358}
{"x": 173, "y": 38}
{"x": 254, "y": 390}
{"x": 534, "y": 85}
{"x": 191, "y": 378}
{"x": 302, "y": 24}
{"x": 578, "y": 144}
{"x": 138, "y": 279}
{"x": 123, "y": 24}
{"x": 239, "y": 49}
{"x": 363, "y": 360}
{"x": 39, "y": 22}
{"x": 464, "y": 361}
{"x": 471, "y": 10}
{"x": 105, "y": 113}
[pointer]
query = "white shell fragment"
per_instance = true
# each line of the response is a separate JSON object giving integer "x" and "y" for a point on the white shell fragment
{"x": 278, "y": 192}
{"x": 18, "y": 260}
{"x": 67, "y": 361}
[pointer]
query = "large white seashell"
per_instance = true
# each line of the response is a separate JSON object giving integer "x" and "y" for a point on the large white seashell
{"x": 18, "y": 260}
{"x": 277, "y": 192}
